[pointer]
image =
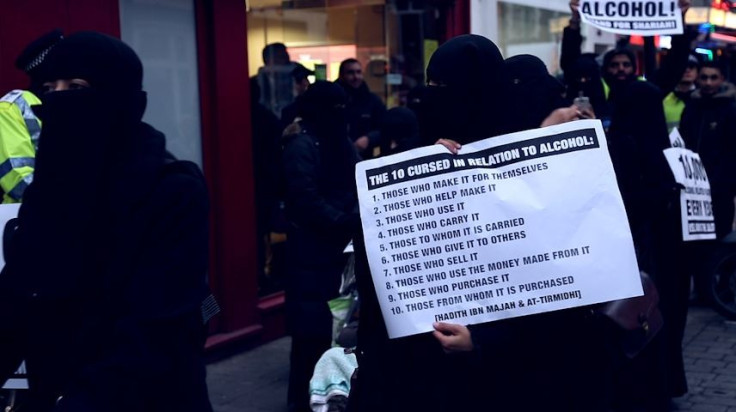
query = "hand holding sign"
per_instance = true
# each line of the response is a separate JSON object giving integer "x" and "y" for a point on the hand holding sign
{"x": 453, "y": 338}
{"x": 450, "y": 144}
{"x": 575, "y": 8}
{"x": 575, "y": 19}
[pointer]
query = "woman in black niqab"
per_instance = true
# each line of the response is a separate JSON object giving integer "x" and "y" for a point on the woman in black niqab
{"x": 462, "y": 102}
{"x": 464, "y": 97}
{"x": 106, "y": 272}
{"x": 584, "y": 79}
{"x": 532, "y": 92}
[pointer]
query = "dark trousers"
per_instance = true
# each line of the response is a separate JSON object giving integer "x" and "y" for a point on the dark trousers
{"x": 677, "y": 262}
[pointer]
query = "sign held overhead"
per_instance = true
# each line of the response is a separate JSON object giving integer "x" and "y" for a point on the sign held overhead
{"x": 641, "y": 18}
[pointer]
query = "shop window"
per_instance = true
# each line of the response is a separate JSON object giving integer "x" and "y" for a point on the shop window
{"x": 163, "y": 33}
{"x": 320, "y": 36}
{"x": 391, "y": 39}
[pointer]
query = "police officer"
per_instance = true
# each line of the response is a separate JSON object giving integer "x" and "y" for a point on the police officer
{"x": 20, "y": 129}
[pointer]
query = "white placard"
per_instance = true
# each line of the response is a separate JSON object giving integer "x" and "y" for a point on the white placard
{"x": 676, "y": 139}
{"x": 698, "y": 222}
{"x": 640, "y": 18}
{"x": 514, "y": 225}
{"x": 7, "y": 212}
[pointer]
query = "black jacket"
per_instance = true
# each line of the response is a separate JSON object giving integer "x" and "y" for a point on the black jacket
{"x": 321, "y": 208}
{"x": 364, "y": 111}
{"x": 102, "y": 296}
{"x": 708, "y": 126}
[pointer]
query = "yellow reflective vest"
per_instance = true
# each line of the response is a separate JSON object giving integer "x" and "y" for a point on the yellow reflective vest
{"x": 19, "y": 133}
{"x": 607, "y": 88}
{"x": 673, "y": 108}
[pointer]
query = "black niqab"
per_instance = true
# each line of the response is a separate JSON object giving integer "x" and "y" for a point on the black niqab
{"x": 640, "y": 114}
{"x": 585, "y": 80}
{"x": 322, "y": 109}
{"x": 533, "y": 92}
{"x": 463, "y": 101}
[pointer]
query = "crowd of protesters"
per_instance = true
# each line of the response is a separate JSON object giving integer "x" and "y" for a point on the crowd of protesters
{"x": 105, "y": 297}
{"x": 565, "y": 360}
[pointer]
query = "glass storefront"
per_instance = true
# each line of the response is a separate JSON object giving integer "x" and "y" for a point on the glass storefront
{"x": 392, "y": 39}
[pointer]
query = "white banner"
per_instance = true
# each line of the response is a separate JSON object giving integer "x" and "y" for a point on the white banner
{"x": 641, "y": 18}
{"x": 696, "y": 207}
{"x": 7, "y": 212}
{"x": 514, "y": 225}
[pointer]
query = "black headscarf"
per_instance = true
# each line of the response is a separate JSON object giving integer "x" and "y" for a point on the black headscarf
{"x": 399, "y": 125}
{"x": 322, "y": 109}
{"x": 640, "y": 114}
{"x": 114, "y": 103}
{"x": 637, "y": 137}
{"x": 464, "y": 99}
{"x": 639, "y": 117}
{"x": 584, "y": 78}
{"x": 532, "y": 92}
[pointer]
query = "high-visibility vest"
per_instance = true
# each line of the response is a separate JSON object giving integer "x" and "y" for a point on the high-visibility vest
{"x": 607, "y": 88}
{"x": 20, "y": 130}
{"x": 673, "y": 108}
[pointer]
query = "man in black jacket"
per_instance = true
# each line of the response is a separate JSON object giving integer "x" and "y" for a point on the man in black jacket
{"x": 105, "y": 274}
{"x": 708, "y": 126}
{"x": 364, "y": 109}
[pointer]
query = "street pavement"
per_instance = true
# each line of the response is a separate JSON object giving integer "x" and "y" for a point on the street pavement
{"x": 256, "y": 380}
{"x": 710, "y": 363}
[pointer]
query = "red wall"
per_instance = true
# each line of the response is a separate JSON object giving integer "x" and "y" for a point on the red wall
{"x": 225, "y": 98}
{"x": 458, "y": 19}
{"x": 23, "y": 21}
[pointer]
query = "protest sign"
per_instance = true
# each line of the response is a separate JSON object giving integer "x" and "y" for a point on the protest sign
{"x": 8, "y": 212}
{"x": 18, "y": 380}
{"x": 641, "y": 18}
{"x": 514, "y": 225}
{"x": 698, "y": 222}
{"x": 676, "y": 139}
